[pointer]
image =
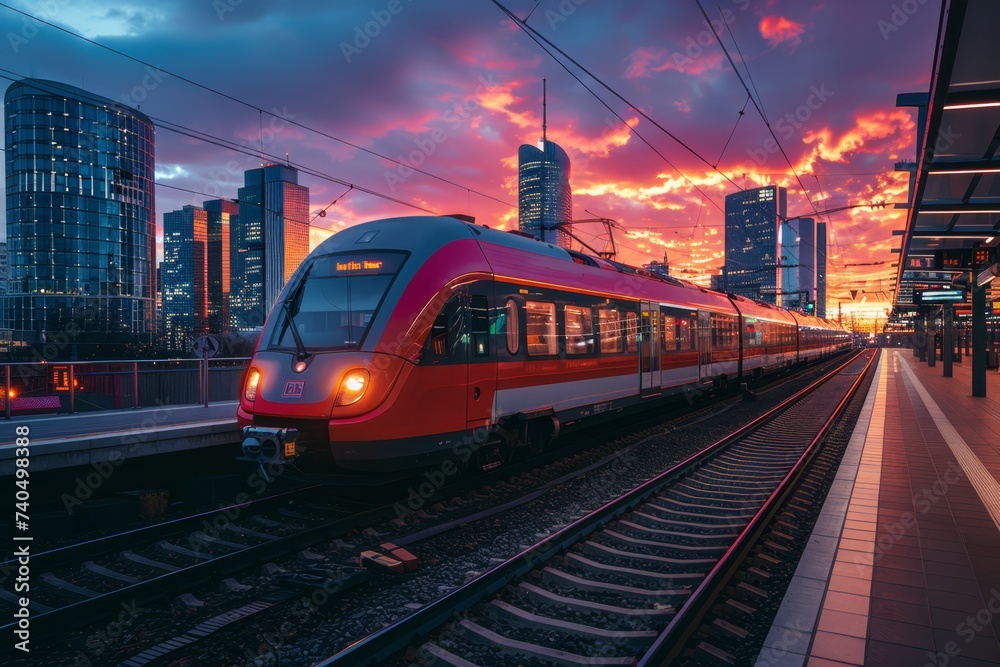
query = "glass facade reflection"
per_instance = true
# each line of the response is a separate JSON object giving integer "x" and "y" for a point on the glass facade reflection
{"x": 543, "y": 192}
{"x": 221, "y": 216}
{"x": 185, "y": 276}
{"x": 80, "y": 217}
{"x": 752, "y": 221}
{"x": 269, "y": 240}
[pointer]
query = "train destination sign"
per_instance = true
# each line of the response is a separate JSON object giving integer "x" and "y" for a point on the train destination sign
{"x": 371, "y": 264}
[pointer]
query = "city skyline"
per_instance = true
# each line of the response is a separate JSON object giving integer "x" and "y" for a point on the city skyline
{"x": 457, "y": 106}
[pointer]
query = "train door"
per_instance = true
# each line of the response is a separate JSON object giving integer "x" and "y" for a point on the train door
{"x": 649, "y": 348}
{"x": 481, "y": 377}
{"x": 704, "y": 345}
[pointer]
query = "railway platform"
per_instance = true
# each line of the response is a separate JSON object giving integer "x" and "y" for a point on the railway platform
{"x": 903, "y": 566}
{"x": 63, "y": 441}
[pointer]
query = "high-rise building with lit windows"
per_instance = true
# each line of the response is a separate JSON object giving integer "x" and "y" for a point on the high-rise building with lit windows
{"x": 269, "y": 240}
{"x": 544, "y": 196}
{"x": 184, "y": 272}
{"x": 81, "y": 232}
{"x": 221, "y": 216}
{"x": 752, "y": 268}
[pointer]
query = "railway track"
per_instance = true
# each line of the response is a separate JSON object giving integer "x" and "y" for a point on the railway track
{"x": 86, "y": 581}
{"x": 633, "y": 580}
{"x": 131, "y": 566}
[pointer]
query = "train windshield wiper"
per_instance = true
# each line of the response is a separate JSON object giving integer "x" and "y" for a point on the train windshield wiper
{"x": 300, "y": 347}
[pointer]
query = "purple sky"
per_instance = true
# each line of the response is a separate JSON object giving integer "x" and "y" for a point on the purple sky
{"x": 455, "y": 87}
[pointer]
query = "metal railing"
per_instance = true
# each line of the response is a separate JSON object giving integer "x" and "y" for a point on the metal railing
{"x": 83, "y": 386}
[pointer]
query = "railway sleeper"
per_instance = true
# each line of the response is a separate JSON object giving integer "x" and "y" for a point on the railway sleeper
{"x": 598, "y": 550}
{"x": 695, "y": 546}
{"x": 716, "y": 511}
{"x": 723, "y": 502}
{"x": 748, "y": 592}
{"x": 560, "y": 577}
{"x": 708, "y": 654}
{"x": 432, "y": 655}
{"x": 715, "y": 516}
{"x": 475, "y": 632}
{"x": 660, "y": 547}
{"x": 589, "y": 566}
{"x": 689, "y": 528}
{"x": 695, "y": 540}
{"x": 737, "y": 611}
{"x": 713, "y": 489}
{"x": 637, "y": 615}
{"x": 517, "y": 617}
{"x": 722, "y": 477}
{"x": 727, "y": 631}
{"x": 764, "y": 559}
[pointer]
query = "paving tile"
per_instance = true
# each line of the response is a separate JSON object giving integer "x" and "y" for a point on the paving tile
{"x": 907, "y": 634}
{"x": 843, "y": 623}
{"x": 838, "y": 647}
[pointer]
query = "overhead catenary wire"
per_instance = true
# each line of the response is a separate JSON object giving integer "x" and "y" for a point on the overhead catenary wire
{"x": 611, "y": 90}
{"x": 239, "y": 148}
{"x": 260, "y": 110}
{"x": 757, "y": 106}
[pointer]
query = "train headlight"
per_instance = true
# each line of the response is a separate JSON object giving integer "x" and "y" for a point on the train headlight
{"x": 250, "y": 390}
{"x": 353, "y": 386}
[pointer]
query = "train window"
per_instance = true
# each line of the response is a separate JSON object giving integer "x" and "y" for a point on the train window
{"x": 609, "y": 326}
{"x": 669, "y": 328}
{"x": 631, "y": 329}
{"x": 579, "y": 330}
{"x": 541, "y": 323}
{"x": 448, "y": 329}
{"x": 685, "y": 340}
{"x": 480, "y": 326}
{"x": 513, "y": 339}
{"x": 334, "y": 301}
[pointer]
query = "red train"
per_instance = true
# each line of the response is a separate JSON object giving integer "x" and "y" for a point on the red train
{"x": 403, "y": 342}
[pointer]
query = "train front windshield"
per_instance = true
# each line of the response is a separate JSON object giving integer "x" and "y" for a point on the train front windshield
{"x": 335, "y": 302}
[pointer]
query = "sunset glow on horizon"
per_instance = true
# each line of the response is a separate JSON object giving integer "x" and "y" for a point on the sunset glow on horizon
{"x": 449, "y": 92}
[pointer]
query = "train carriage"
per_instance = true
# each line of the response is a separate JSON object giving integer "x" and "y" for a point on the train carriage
{"x": 399, "y": 342}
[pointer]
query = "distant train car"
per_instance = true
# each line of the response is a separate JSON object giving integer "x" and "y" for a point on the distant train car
{"x": 402, "y": 342}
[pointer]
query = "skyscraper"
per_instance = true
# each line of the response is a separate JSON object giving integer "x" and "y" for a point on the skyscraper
{"x": 221, "y": 216}
{"x": 751, "y": 266}
{"x": 81, "y": 231}
{"x": 184, "y": 272}
{"x": 798, "y": 261}
{"x": 269, "y": 240}
{"x": 821, "y": 269}
{"x": 544, "y": 197}
{"x": 803, "y": 253}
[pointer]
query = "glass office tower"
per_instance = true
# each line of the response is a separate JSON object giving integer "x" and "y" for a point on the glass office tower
{"x": 269, "y": 240}
{"x": 544, "y": 196}
{"x": 221, "y": 216}
{"x": 184, "y": 273}
{"x": 81, "y": 231}
{"x": 751, "y": 266}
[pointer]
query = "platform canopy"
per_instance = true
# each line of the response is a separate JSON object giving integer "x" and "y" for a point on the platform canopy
{"x": 953, "y": 219}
